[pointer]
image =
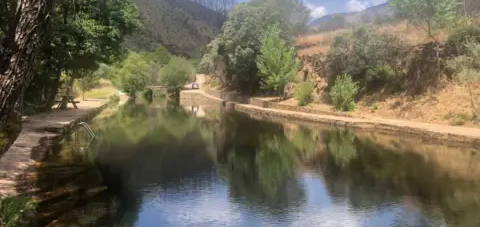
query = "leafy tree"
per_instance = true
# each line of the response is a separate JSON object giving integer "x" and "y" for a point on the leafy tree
{"x": 176, "y": 74}
{"x": 232, "y": 55}
{"x": 23, "y": 30}
{"x": 131, "y": 75}
{"x": 81, "y": 36}
{"x": 343, "y": 93}
{"x": 277, "y": 62}
{"x": 429, "y": 15}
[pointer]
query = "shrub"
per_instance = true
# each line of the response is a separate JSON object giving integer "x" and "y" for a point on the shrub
{"x": 466, "y": 69}
{"x": 303, "y": 93}
{"x": 277, "y": 61}
{"x": 373, "y": 60}
{"x": 459, "y": 38}
{"x": 17, "y": 211}
{"x": 176, "y": 74}
{"x": 343, "y": 93}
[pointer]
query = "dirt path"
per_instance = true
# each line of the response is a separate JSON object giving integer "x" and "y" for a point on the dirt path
{"x": 35, "y": 141}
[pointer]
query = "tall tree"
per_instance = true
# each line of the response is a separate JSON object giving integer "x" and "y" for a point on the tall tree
{"x": 25, "y": 31}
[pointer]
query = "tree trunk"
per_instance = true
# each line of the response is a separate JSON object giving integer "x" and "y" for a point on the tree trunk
{"x": 31, "y": 18}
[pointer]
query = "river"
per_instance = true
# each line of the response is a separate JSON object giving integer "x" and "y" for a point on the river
{"x": 170, "y": 165}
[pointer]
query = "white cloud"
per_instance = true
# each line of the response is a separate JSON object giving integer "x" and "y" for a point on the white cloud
{"x": 356, "y": 5}
{"x": 377, "y": 2}
{"x": 316, "y": 11}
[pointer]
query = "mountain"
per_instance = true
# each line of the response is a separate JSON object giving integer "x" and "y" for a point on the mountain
{"x": 378, "y": 14}
{"x": 182, "y": 26}
{"x": 375, "y": 14}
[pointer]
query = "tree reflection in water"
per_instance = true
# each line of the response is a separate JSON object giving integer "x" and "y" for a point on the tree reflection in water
{"x": 160, "y": 151}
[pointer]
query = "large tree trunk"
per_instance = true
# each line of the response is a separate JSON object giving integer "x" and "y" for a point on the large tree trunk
{"x": 26, "y": 33}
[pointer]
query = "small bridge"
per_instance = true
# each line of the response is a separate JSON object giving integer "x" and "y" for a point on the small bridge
{"x": 158, "y": 91}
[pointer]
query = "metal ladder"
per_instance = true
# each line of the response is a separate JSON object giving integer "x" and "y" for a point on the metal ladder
{"x": 89, "y": 130}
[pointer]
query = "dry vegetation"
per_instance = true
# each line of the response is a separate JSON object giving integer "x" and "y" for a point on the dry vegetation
{"x": 446, "y": 103}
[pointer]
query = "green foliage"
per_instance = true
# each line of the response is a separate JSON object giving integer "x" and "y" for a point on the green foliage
{"x": 467, "y": 67}
{"x": 131, "y": 75}
{"x": 341, "y": 146}
{"x": 275, "y": 161}
{"x": 430, "y": 15}
{"x": 343, "y": 93}
{"x": 372, "y": 59}
{"x": 303, "y": 93}
{"x": 237, "y": 47}
{"x": 15, "y": 210}
{"x": 277, "y": 63}
{"x": 459, "y": 38}
{"x": 81, "y": 35}
{"x": 176, "y": 74}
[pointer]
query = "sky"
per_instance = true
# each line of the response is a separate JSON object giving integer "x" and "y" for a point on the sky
{"x": 320, "y": 8}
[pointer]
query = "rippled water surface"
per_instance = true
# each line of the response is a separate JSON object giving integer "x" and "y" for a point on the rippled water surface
{"x": 166, "y": 165}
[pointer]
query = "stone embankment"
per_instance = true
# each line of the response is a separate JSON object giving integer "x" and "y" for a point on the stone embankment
{"x": 266, "y": 108}
{"x": 38, "y": 135}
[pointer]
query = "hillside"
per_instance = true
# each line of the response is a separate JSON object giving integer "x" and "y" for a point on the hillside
{"x": 375, "y": 14}
{"x": 182, "y": 26}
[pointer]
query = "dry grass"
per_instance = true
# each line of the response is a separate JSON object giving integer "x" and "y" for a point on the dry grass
{"x": 317, "y": 43}
{"x": 104, "y": 91}
{"x": 450, "y": 105}
{"x": 320, "y": 43}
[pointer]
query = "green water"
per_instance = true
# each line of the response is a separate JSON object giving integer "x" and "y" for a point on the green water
{"x": 169, "y": 165}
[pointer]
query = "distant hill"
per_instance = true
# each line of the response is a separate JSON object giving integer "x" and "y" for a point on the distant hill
{"x": 376, "y": 14}
{"x": 182, "y": 26}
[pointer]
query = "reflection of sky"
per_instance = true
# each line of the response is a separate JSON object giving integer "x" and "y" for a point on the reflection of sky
{"x": 207, "y": 203}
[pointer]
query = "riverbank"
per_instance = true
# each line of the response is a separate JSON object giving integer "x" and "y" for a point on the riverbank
{"x": 34, "y": 143}
{"x": 259, "y": 108}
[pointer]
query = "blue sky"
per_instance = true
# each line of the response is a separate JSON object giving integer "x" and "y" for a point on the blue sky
{"x": 321, "y": 8}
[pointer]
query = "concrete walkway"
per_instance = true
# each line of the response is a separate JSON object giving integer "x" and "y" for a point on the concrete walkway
{"x": 441, "y": 133}
{"x": 34, "y": 143}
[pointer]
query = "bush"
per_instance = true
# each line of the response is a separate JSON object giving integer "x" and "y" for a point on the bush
{"x": 277, "y": 62}
{"x": 373, "y": 60}
{"x": 343, "y": 93}
{"x": 176, "y": 74}
{"x": 459, "y": 38}
{"x": 303, "y": 93}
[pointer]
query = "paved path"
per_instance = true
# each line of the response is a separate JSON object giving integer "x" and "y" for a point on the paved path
{"x": 425, "y": 130}
{"x": 35, "y": 140}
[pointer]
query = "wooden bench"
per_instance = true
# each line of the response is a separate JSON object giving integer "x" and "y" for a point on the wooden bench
{"x": 64, "y": 100}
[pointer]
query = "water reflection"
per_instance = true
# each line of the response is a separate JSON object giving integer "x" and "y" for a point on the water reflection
{"x": 182, "y": 166}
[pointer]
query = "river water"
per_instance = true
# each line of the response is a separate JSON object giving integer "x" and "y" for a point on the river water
{"x": 170, "y": 165}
